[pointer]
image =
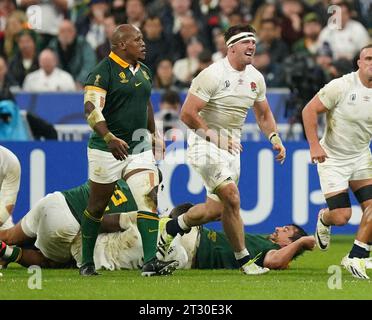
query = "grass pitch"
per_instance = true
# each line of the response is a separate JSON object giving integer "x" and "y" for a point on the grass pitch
{"x": 307, "y": 278}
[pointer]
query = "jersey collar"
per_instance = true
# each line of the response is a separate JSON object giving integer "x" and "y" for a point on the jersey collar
{"x": 120, "y": 61}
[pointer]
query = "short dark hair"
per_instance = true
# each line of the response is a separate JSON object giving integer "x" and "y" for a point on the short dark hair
{"x": 298, "y": 233}
{"x": 180, "y": 209}
{"x": 232, "y": 31}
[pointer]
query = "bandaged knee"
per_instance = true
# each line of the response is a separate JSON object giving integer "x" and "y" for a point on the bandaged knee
{"x": 142, "y": 185}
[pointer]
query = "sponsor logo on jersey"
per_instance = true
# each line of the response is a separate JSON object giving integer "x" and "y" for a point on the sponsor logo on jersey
{"x": 353, "y": 97}
{"x": 227, "y": 83}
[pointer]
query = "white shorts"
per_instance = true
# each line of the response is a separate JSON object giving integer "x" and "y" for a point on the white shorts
{"x": 335, "y": 174}
{"x": 213, "y": 164}
{"x": 104, "y": 168}
{"x": 51, "y": 222}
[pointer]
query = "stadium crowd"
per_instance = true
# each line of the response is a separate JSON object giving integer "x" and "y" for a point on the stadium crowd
{"x": 182, "y": 38}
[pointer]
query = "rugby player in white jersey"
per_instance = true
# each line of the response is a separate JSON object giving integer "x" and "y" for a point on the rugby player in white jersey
{"x": 215, "y": 109}
{"x": 343, "y": 156}
{"x": 10, "y": 176}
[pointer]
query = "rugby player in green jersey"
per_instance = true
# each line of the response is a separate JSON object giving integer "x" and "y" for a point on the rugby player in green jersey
{"x": 54, "y": 223}
{"x": 118, "y": 108}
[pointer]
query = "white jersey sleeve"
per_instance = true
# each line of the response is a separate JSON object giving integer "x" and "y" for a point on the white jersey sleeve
{"x": 205, "y": 85}
{"x": 261, "y": 89}
{"x": 331, "y": 94}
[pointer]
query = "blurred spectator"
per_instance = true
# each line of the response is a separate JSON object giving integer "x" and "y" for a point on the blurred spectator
{"x": 189, "y": 29}
{"x": 164, "y": 78}
{"x": 25, "y": 60}
{"x": 135, "y": 12}
{"x": 264, "y": 12}
{"x": 118, "y": 11}
{"x": 269, "y": 37}
{"x": 291, "y": 22}
{"x": 168, "y": 116}
{"x": 219, "y": 43}
{"x": 272, "y": 72}
{"x": 227, "y": 8}
{"x": 185, "y": 68}
{"x": 347, "y": 41}
{"x": 157, "y": 45}
{"x": 364, "y": 10}
{"x": 104, "y": 49}
{"x": 172, "y": 15}
{"x": 12, "y": 125}
{"x": 340, "y": 67}
{"x": 74, "y": 53}
{"x": 204, "y": 60}
{"x": 91, "y": 26}
{"x": 6, "y": 81}
{"x": 311, "y": 28}
{"x": 323, "y": 58}
{"x": 15, "y": 23}
{"x": 48, "y": 78}
{"x": 52, "y": 13}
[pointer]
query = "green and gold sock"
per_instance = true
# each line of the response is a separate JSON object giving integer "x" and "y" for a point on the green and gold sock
{"x": 148, "y": 225}
{"x": 89, "y": 233}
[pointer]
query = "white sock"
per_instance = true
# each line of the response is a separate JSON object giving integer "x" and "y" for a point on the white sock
{"x": 362, "y": 245}
{"x": 182, "y": 223}
{"x": 241, "y": 254}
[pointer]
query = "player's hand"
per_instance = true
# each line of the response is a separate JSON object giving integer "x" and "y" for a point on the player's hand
{"x": 308, "y": 242}
{"x": 118, "y": 148}
{"x": 280, "y": 157}
{"x": 317, "y": 153}
{"x": 231, "y": 145}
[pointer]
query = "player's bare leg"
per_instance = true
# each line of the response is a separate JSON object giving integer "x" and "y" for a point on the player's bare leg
{"x": 338, "y": 214}
{"x": 231, "y": 219}
{"x": 203, "y": 213}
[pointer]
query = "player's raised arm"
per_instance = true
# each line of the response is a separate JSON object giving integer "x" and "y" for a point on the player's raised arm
{"x": 310, "y": 119}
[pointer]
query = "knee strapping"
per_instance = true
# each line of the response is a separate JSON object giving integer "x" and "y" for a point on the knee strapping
{"x": 341, "y": 200}
{"x": 363, "y": 193}
{"x": 143, "y": 186}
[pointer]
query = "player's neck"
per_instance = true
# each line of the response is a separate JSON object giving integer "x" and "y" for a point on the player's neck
{"x": 237, "y": 65}
{"x": 366, "y": 81}
{"x": 127, "y": 59}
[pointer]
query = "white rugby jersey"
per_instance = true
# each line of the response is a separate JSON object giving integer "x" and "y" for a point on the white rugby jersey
{"x": 114, "y": 251}
{"x": 349, "y": 117}
{"x": 10, "y": 175}
{"x": 229, "y": 94}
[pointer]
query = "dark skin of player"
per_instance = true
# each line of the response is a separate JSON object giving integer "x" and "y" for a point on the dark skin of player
{"x": 128, "y": 44}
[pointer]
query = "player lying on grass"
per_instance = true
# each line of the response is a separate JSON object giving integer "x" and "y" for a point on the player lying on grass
{"x": 54, "y": 222}
{"x": 56, "y": 229}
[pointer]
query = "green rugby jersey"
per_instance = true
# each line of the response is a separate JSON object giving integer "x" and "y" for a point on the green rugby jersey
{"x": 215, "y": 252}
{"x": 127, "y": 96}
{"x": 121, "y": 201}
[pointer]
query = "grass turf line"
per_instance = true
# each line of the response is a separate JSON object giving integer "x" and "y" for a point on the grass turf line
{"x": 307, "y": 278}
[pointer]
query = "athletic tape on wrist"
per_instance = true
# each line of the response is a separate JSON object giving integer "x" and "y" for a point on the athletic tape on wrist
{"x": 108, "y": 137}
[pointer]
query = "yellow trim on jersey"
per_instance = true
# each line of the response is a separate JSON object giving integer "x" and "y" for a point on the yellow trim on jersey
{"x": 145, "y": 216}
{"x": 119, "y": 60}
{"x": 94, "y": 88}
